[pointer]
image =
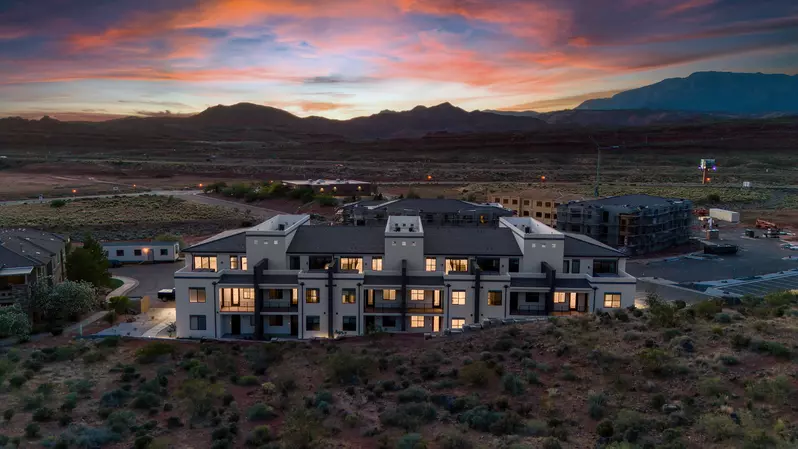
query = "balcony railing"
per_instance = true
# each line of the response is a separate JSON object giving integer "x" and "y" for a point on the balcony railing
{"x": 397, "y": 308}
{"x": 240, "y": 308}
{"x": 285, "y": 305}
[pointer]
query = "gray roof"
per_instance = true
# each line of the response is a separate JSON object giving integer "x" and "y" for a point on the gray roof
{"x": 529, "y": 282}
{"x": 572, "y": 283}
{"x": 280, "y": 279}
{"x": 431, "y": 205}
{"x": 457, "y": 241}
{"x": 577, "y": 245}
{"x": 233, "y": 243}
{"x": 635, "y": 200}
{"x": 338, "y": 240}
{"x": 382, "y": 280}
{"x": 28, "y": 247}
{"x": 139, "y": 243}
{"x": 248, "y": 279}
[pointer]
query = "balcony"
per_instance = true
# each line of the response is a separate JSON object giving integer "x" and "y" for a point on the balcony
{"x": 397, "y": 308}
{"x": 243, "y": 307}
{"x": 279, "y": 305}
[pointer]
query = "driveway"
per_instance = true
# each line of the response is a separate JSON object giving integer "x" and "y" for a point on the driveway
{"x": 151, "y": 277}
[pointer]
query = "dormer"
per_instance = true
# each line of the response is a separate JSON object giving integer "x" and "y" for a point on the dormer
{"x": 404, "y": 240}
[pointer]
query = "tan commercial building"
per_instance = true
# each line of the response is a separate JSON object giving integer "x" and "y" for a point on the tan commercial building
{"x": 540, "y": 205}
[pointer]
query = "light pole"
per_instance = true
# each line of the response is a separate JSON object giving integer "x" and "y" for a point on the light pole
{"x": 598, "y": 163}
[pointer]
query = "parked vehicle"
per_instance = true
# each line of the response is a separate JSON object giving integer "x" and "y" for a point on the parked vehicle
{"x": 114, "y": 263}
{"x": 166, "y": 294}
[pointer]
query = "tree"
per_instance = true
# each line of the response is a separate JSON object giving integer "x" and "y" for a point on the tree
{"x": 89, "y": 263}
{"x": 14, "y": 322}
{"x": 47, "y": 304}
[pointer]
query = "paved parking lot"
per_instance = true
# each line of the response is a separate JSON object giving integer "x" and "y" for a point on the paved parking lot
{"x": 758, "y": 287}
{"x": 151, "y": 277}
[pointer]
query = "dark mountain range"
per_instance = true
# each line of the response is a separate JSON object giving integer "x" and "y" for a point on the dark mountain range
{"x": 733, "y": 93}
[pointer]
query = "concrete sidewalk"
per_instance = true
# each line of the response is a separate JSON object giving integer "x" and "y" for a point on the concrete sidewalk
{"x": 128, "y": 285}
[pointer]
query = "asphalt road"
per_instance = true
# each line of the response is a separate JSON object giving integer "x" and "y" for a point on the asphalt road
{"x": 151, "y": 277}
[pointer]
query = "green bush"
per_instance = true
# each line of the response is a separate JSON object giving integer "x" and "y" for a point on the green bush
{"x": 596, "y": 403}
{"x": 153, "y": 351}
{"x": 719, "y": 427}
{"x": 498, "y": 423}
{"x": 604, "y": 429}
{"x": 411, "y": 441}
{"x": 119, "y": 304}
{"x": 43, "y": 414}
{"x": 8, "y": 414}
{"x": 248, "y": 381}
{"x": 454, "y": 441}
{"x": 512, "y": 385}
{"x": 630, "y": 420}
{"x": 409, "y": 416}
{"x": 773, "y": 348}
{"x": 17, "y": 381}
{"x": 348, "y": 369}
{"x": 661, "y": 313}
{"x": 476, "y": 374}
{"x": 260, "y": 412}
{"x": 413, "y": 394}
{"x": 70, "y": 402}
{"x": 259, "y": 436}
{"x": 57, "y": 203}
{"x": 778, "y": 390}
{"x": 32, "y": 430}
{"x": 120, "y": 421}
{"x": 655, "y": 360}
{"x": 146, "y": 400}
{"x": 114, "y": 398}
{"x": 707, "y": 309}
{"x": 727, "y": 360}
{"x": 723, "y": 318}
{"x": 713, "y": 386}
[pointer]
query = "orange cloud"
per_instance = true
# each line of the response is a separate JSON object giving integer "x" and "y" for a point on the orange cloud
{"x": 556, "y": 104}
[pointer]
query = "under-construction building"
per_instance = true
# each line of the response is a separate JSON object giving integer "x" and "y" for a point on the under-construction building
{"x": 635, "y": 224}
{"x": 441, "y": 212}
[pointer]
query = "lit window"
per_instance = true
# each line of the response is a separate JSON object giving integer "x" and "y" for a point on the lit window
{"x": 416, "y": 295}
{"x": 376, "y": 263}
{"x": 416, "y": 321}
{"x": 351, "y": 263}
{"x": 612, "y": 300}
{"x": 495, "y": 298}
{"x": 197, "y": 322}
{"x": 559, "y": 297}
{"x": 458, "y": 323}
{"x": 233, "y": 262}
{"x": 196, "y": 295}
{"x": 389, "y": 295}
{"x": 432, "y": 264}
{"x": 205, "y": 263}
{"x": 244, "y": 263}
{"x": 312, "y": 295}
{"x": 458, "y": 297}
{"x": 457, "y": 265}
{"x": 348, "y": 295}
{"x": 247, "y": 293}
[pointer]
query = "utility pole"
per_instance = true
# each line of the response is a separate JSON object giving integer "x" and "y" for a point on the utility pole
{"x": 598, "y": 163}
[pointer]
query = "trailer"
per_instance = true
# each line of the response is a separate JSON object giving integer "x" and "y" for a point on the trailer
{"x": 725, "y": 215}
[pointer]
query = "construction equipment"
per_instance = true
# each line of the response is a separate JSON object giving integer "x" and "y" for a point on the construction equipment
{"x": 771, "y": 229}
{"x": 700, "y": 212}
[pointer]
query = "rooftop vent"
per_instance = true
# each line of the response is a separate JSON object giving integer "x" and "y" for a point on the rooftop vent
{"x": 527, "y": 229}
{"x": 281, "y": 227}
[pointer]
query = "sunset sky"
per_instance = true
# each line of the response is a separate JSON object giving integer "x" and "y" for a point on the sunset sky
{"x": 99, "y": 59}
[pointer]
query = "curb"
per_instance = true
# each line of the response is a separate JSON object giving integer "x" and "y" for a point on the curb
{"x": 128, "y": 285}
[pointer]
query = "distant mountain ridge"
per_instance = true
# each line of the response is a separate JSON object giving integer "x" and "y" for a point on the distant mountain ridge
{"x": 716, "y": 92}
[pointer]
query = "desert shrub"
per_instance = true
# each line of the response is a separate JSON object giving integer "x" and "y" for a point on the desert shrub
{"x": 411, "y": 441}
{"x": 201, "y": 395}
{"x": 604, "y": 429}
{"x": 454, "y": 441}
{"x": 669, "y": 334}
{"x": 8, "y": 414}
{"x": 718, "y": 427}
{"x": 57, "y": 203}
{"x": 661, "y": 313}
{"x": 413, "y": 394}
{"x": 596, "y": 403}
{"x": 655, "y": 361}
{"x": 532, "y": 378}
{"x": 779, "y": 299}
{"x": 727, "y": 359}
{"x": 723, "y": 318}
{"x": 93, "y": 357}
{"x": 499, "y": 423}
{"x": 260, "y": 357}
{"x": 409, "y": 416}
{"x": 348, "y": 369}
{"x": 773, "y": 348}
{"x": 476, "y": 374}
{"x": 84, "y": 437}
{"x": 43, "y": 414}
{"x": 778, "y": 389}
{"x": 512, "y": 384}
{"x": 712, "y": 386}
{"x": 70, "y": 401}
{"x": 120, "y": 421}
{"x": 146, "y": 400}
{"x": 119, "y": 304}
{"x": 300, "y": 430}
{"x": 739, "y": 341}
{"x": 259, "y": 436}
{"x": 707, "y": 309}
{"x": 621, "y": 315}
{"x": 630, "y": 420}
{"x": 551, "y": 443}
{"x": 153, "y": 351}
{"x": 32, "y": 402}
{"x": 260, "y": 412}
{"x": 115, "y": 398}
{"x": 17, "y": 381}
{"x": 173, "y": 422}
{"x": 32, "y": 430}
{"x": 248, "y": 381}
{"x": 142, "y": 442}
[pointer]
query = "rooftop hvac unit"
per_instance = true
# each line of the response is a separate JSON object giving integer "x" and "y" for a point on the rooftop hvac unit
{"x": 281, "y": 227}
{"x": 528, "y": 230}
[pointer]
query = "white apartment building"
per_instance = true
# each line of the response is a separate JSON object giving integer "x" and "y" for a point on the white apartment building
{"x": 287, "y": 278}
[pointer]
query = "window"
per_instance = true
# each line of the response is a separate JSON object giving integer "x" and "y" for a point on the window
{"x": 457, "y": 265}
{"x": 196, "y": 295}
{"x": 526, "y": 213}
{"x": 319, "y": 262}
{"x": 244, "y": 263}
{"x": 349, "y": 324}
{"x": 538, "y": 214}
{"x": 164, "y": 252}
{"x": 351, "y": 263}
{"x": 559, "y": 297}
{"x": 540, "y": 203}
{"x": 546, "y": 215}
{"x": 197, "y": 322}
{"x": 136, "y": 252}
{"x": 612, "y": 300}
{"x": 497, "y": 200}
{"x": 515, "y": 265}
{"x": 526, "y": 202}
{"x": 566, "y": 266}
{"x": 275, "y": 293}
{"x": 505, "y": 201}
{"x": 120, "y": 252}
{"x": 348, "y": 295}
{"x": 605, "y": 267}
{"x": 248, "y": 293}
{"x": 389, "y": 295}
{"x": 575, "y": 266}
{"x": 458, "y": 297}
{"x": 233, "y": 262}
{"x": 548, "y": 204}
{"x": 416, "y": 295}
{"x": 489, "y": 264}
{"x": 389, "y": 321}
{"x": 458, "y": 323}
{"x": 293, "y": 263}
{"x": 495, "y": 298}
{"x": 275, "y": 320}
{"x": 312, "y": 296}
{"x": 416, "y": 321}
{"x": 313, "y": 323}
{"x": 376, "y": 263}
{"x": 205, "y": 263}
{"x": 515, "y": 201}
{"x": 432, "y": 264}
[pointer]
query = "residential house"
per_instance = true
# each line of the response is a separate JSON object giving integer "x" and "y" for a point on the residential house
{"x": 28, "y": 255}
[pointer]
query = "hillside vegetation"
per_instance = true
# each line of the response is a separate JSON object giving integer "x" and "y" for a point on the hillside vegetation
{"x": 668, "y": 376}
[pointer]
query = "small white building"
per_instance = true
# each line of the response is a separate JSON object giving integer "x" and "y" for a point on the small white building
{"x": 141, "y": 252}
